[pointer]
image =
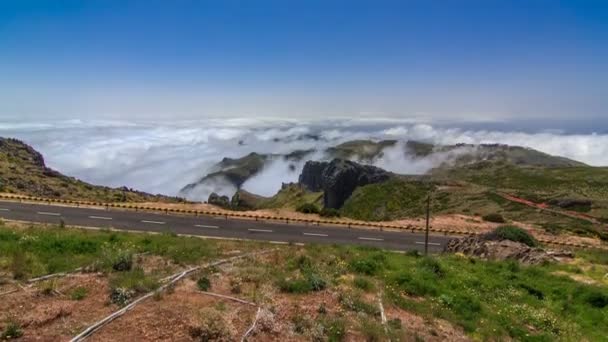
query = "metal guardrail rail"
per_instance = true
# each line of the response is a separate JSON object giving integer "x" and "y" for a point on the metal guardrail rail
{"x": 135, "y": 207}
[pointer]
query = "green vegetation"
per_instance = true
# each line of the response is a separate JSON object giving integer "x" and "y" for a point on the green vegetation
{"x": 307, "y": 208}
{"x": 390, "y": 200}
{"x": 11, "y": 331}
{"x": 490, "y": 300}
{"x": 363, "y": 283}
{"x": 22, "y": 171}
{"x": 79, "y": 293}
{"x": 494, "y": 217}
{"x": 329, "y": 212}
{"x": 514, "y": 234}
{"x": 36, "y": 251}
{"x": 292, "y": 196}
{"x": 203, "y": 283}
{"x": 135, "y": 280}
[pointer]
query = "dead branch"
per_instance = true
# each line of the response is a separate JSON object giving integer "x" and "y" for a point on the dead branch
{"x": 228, "y": 297}
{"x": 255, "y": 321}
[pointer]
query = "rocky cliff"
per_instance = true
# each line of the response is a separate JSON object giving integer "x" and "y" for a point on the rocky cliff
{"x": 339, "y": 178}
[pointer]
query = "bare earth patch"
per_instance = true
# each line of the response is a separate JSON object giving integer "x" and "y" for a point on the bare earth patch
{"x": 55, "y": 316}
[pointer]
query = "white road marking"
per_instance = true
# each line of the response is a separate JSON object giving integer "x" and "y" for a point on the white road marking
{"x": 314, "y": 234}
{"x": 430, "y": 243}
{"x": 154, "y": 222}
{"x": 204, "y": 226}
{"x": 370, "y": 239}
{"x": 4, "y": 209}
{"x": 100, "y": 217}
{"x": 260, "y": 230}
{"x": 47, "y": 213}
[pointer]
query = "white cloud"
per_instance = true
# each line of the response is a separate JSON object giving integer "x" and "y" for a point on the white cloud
{"x": 162, "y": 157}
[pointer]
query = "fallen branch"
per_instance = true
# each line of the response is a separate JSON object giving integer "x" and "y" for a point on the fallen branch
{"x": 54, "y": 275}
{"x": 255, "y": 321}
{"x": 228, "y": 297}
{"x": 175, "y": 278}
{"x": 382, "y": 314}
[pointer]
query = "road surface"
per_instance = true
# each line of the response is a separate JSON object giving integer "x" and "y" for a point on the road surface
{"x": 217, "y": 227}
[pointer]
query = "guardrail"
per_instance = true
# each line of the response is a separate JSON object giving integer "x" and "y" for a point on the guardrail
{"x": 135, "y": 207}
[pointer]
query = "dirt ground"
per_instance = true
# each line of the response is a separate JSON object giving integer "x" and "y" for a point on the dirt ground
{"x": 174, "y": 315}
{"x": 55, "y": 316}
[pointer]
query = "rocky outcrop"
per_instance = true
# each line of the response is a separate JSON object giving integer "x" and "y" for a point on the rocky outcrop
{"x": 481, "y": 247}
{"x": 220, "y": 201}
{"x": 339, "y": 178}
{"x": 342, "y": 177}
{"x": 244, "y": 200}
{"x": 311, "y": 177}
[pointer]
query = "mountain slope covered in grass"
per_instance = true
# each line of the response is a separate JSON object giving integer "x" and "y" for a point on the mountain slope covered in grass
{"x": 23, "y": 171}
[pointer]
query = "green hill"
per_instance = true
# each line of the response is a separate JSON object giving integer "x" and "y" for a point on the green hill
{"x": 23, "y": 171}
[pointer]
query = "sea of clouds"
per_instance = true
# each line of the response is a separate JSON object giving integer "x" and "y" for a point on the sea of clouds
{"x": 162, "y": 157}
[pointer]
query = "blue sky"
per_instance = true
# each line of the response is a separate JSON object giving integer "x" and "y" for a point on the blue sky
{"x": 436, "y": 60}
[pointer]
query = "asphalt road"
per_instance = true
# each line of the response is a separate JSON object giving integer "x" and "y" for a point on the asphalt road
{"x": 217, "y": 226}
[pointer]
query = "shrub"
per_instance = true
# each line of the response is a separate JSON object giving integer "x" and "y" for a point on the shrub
{"x": 363, "y": 283}
{"x": 372, "y": 330}
{"x": 354, "y": 302}
{"x": 514, "y": 234}
{"x": 135, "y": 280}
{"x": 370, "y": 265}
{"x": 329, "y": 212}
{"x": 203, "y": 283}
{"x": 334, "y": 329}
{"x": 11, "y": 331}
{"x": 311, "y": 282}
{"x": 118, "y": 259}
{"x": 494, "y": 217}
{"x": 307, "y": 208}
{"x": 48, "y": 287}
{"x": 121, "y": 296}
{"x": 212, "y": 326}
{"x": 79, "y": 293}
{"x": 597, "y": 299}
{"x": 432, "y": 265}
{"x": 415, "y": 286}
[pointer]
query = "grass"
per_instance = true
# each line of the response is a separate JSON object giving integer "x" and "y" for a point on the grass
{"x": 490, "y": 300}
{"x": 514, "y": 234}
{"x": 36, "y": 250}
{"x": 12, "y": 330}
{"x": 385, "y": 201}
{"x": 79, "y": 293}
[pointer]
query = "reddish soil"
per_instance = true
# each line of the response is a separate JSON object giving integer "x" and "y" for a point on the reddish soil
{"x": 56, "y": 317}
{"x": 171, "y": 317}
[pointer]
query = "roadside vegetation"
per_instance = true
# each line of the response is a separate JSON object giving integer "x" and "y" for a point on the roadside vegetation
{"x": 316, "y": 292}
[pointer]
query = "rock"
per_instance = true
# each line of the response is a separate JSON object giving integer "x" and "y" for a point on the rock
{"x": 481, "y": 247}
{"x": 221, "y": 201}
{"x": 312, "y": 175}
{"x": 341, "y": 177}
{"x": 243, "y": 200}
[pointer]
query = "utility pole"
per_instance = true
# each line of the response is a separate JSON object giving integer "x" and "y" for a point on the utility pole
{"x": 426, "y": 234}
